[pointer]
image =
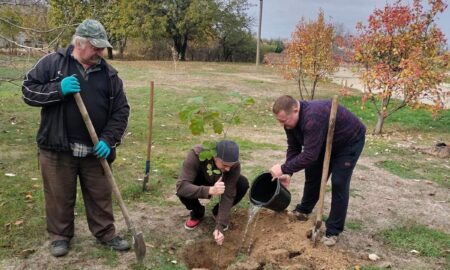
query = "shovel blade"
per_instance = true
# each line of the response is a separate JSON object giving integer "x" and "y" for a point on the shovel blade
{"x": 139, "y": 246}
{"x": 145, "y": 183}
{"x": 314, "y": 236}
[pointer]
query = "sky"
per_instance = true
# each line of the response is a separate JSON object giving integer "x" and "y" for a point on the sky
{"x": 281, "y": 16}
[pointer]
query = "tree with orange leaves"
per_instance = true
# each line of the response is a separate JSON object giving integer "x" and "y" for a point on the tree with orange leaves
{"x": 310, "y": 55}
{"x": 402, "y": 54}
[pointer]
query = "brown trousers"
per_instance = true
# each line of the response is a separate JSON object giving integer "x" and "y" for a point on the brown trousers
{"x": 59, "y": 172}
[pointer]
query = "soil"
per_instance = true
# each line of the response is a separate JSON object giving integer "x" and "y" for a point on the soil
{"x": 272, "y": 240}
{"x": 379, "y": 200}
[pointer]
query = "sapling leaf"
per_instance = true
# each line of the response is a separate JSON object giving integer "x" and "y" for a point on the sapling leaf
{"x": 202, "y": 156}
{"x": 187, "y": 112}
{"x": 218, "y": 127}
{"x": 206, "y": 154}
{"x": 209, "y": 145}
{"x": 197, "y": 125}
{"x": 236, "y": 120}
{"x": 211, "y": 116}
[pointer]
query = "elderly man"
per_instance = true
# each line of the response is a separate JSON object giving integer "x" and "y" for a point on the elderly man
{"x": 306, "y": 126}
{"x": 65, "y": 147}
{"x": 200, "y": 179}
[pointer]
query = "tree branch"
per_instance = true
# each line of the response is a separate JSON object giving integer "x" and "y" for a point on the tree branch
{"x": 20, "y": 45}
{"x": 35, "y": 30}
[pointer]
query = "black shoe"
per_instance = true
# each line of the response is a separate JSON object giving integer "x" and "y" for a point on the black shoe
{"x": 300, "y": 216}
{"x": 59, "y": 248}
{"x": 117, "y": 243}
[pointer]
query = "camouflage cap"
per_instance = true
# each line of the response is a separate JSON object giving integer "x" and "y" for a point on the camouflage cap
{"x": 93, "y": 31}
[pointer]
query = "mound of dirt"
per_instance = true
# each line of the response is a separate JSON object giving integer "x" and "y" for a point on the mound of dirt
{"x": 271, "y": 241}
{"x": 440, "y": 150}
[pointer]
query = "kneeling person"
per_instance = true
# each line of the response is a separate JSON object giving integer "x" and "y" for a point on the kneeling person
{"x": 195, "y": 182}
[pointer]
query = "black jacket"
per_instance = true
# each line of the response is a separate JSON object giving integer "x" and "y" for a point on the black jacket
{"x": 42, "y": 88}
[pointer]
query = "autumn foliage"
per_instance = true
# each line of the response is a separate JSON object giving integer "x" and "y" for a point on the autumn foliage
{"x": 401, "y": 51}
{"x": 310, "y": 55}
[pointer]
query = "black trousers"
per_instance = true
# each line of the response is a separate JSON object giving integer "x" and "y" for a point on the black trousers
{"x": 342, "y": 164}
{"x": 198, "y": 210}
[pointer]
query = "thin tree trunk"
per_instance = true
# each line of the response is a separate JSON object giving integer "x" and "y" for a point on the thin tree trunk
{"x": 122, "y": 44}
{"x": 183, "y": 48}
{"x": 110, "y": 53}
{"x": 313, "y": 90}
{"x": 379, "y": 126}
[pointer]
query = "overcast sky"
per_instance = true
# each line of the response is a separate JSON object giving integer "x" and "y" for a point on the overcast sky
{"x": 281, "y": 16}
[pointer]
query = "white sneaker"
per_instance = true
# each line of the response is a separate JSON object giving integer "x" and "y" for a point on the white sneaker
{"x": 329, "y": 241}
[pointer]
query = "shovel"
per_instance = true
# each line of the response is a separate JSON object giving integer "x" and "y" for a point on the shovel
{"x": 138, "y": 238}
{"x": 149, "y": 140}
{"x": 314, "y": 232}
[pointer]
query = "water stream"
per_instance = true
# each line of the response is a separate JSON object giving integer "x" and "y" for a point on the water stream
{"x": 219, "y": 249}
{"x": 252, "y": 215}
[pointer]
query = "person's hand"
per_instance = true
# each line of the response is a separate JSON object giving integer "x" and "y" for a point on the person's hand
{"x": 70, "y": 85}
{"x": 285, "y": 180}
{"x": 276, "y": 171}
{"x": 218, "y": 237}
{"x": 218, "y": 188}
{"x": 102, "y": 149}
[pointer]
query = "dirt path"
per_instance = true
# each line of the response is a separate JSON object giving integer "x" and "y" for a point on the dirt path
{"x": 346, "y": 77}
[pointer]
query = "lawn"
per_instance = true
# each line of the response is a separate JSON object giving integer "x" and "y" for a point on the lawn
{"x": 22, "y": 216}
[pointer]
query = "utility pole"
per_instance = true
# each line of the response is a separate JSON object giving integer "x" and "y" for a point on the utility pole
{"x": 259, "y": 32}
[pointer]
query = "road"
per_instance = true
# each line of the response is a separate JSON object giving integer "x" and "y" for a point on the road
{"x": 344, "y": 76}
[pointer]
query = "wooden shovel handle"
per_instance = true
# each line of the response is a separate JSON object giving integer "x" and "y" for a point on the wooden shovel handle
{"x": 150, "y": 121}
{"x": 105, "y": 165}
{"x": 326, "y": 159}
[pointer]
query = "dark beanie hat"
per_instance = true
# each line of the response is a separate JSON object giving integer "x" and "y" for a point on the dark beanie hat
{"x": 227, "y": 151}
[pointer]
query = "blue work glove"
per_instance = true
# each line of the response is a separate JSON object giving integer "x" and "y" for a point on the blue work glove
{"x": 102, "y": 149}
{"x": 70, "y": 85}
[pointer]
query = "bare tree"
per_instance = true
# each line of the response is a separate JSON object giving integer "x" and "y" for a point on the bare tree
{"x": 24, "y": 34}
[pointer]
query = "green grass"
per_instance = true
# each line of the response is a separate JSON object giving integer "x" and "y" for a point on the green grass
{"x": 406, "y": 119}
{"x": 417, "y": 169}
{"x": 171, "y": 141}
{"x": 429, "y": 242}
{"x": 404, "y": 168}
{"x": 417, "y": 124}
{"x": 255, "y": 82}
{"x": 111, "y": 257}
{"x": 354, "y": 225}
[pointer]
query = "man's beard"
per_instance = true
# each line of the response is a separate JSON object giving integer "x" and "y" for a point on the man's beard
{"x": 94, "y": 59}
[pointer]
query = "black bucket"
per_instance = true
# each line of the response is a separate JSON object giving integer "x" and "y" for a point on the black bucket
{"x": 269, "y": 194}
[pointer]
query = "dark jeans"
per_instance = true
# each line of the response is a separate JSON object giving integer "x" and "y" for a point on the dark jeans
{"x": 198, "y": 210}
{"x": 59, "y": 172}
{"x": 341, "y": 170}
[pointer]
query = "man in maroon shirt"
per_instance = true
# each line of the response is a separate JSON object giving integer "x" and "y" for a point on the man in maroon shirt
{"x": 219, "y": 176}
{"x": 306, "y": 127}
